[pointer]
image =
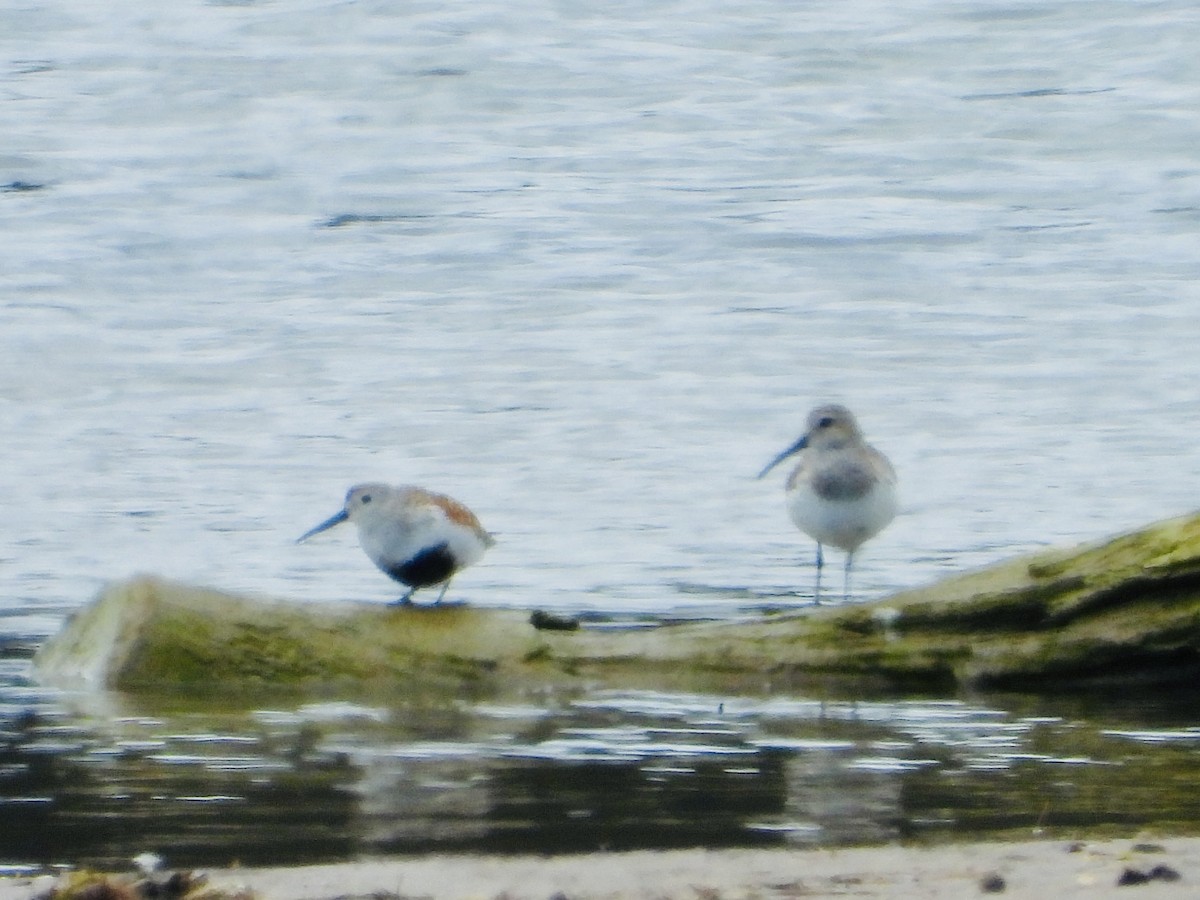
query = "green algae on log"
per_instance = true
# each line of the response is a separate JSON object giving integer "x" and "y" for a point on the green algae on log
{"x": 1123, "y": 611}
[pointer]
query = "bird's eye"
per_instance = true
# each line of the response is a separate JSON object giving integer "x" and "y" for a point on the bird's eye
{"x": 366, "y": 498}
{"x": 825, "y": 422}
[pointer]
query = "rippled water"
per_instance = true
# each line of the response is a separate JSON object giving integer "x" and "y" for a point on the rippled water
{"x": 585, "y": 771}
{"x": 584, "y": 268}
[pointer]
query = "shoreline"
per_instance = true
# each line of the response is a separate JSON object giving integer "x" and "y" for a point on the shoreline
{"x": 1028, "y": 869}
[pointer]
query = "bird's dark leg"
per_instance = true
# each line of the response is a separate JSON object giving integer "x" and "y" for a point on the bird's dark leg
{"x": 846, "y": 576}
{"x": 406, "y": 600}
{"x": 445, "y": 584}
{"x": 820, "y": 566}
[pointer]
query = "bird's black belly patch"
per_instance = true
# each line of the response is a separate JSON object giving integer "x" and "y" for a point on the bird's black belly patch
{"x": 431, "y": 566}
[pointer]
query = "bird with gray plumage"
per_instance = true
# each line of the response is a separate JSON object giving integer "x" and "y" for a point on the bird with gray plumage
{"x": 842, "y": 491}
{"x": 416, "y": 537}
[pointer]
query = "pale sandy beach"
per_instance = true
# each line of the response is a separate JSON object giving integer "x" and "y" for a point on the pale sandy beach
{"x": 1036, "y": 869}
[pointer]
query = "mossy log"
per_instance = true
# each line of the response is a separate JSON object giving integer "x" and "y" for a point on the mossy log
{"x": 1123, "y": 611}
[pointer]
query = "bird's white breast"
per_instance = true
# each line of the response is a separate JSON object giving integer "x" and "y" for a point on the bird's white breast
{"x": 844, "y": 524}
{"x": 394, "y": 533}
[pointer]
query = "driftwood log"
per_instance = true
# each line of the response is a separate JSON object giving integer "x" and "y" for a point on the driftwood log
{"x": 1119, "y": 612}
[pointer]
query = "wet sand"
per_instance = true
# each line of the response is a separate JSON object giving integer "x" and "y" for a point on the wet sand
{"x": 1036, "y": 870}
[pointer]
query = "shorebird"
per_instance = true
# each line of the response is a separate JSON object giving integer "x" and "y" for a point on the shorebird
{"x": 415, "y": 536}
{"x": 843, "y": 491}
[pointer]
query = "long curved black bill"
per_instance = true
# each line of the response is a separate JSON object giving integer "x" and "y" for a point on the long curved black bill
{"x": 795, "y": 448}
{"x": 336, "y": 519}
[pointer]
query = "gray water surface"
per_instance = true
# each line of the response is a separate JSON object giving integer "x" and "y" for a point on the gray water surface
{"x": 584, "y": 268}
{"x": 583, "y": 771}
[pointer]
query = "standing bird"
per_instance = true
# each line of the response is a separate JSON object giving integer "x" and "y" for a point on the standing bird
{"x": 843, "y": 491}
{"x": 415, "y": 536}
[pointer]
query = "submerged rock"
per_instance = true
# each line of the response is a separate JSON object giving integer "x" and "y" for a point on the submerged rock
{"x": 1123, "y": 611}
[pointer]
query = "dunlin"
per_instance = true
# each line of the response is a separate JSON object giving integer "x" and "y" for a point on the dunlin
{"x": 415, "y": 536}
{"x": 843, "y": 491}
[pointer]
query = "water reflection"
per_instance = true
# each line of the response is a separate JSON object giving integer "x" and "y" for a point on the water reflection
{"x": 91, "y": 781}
